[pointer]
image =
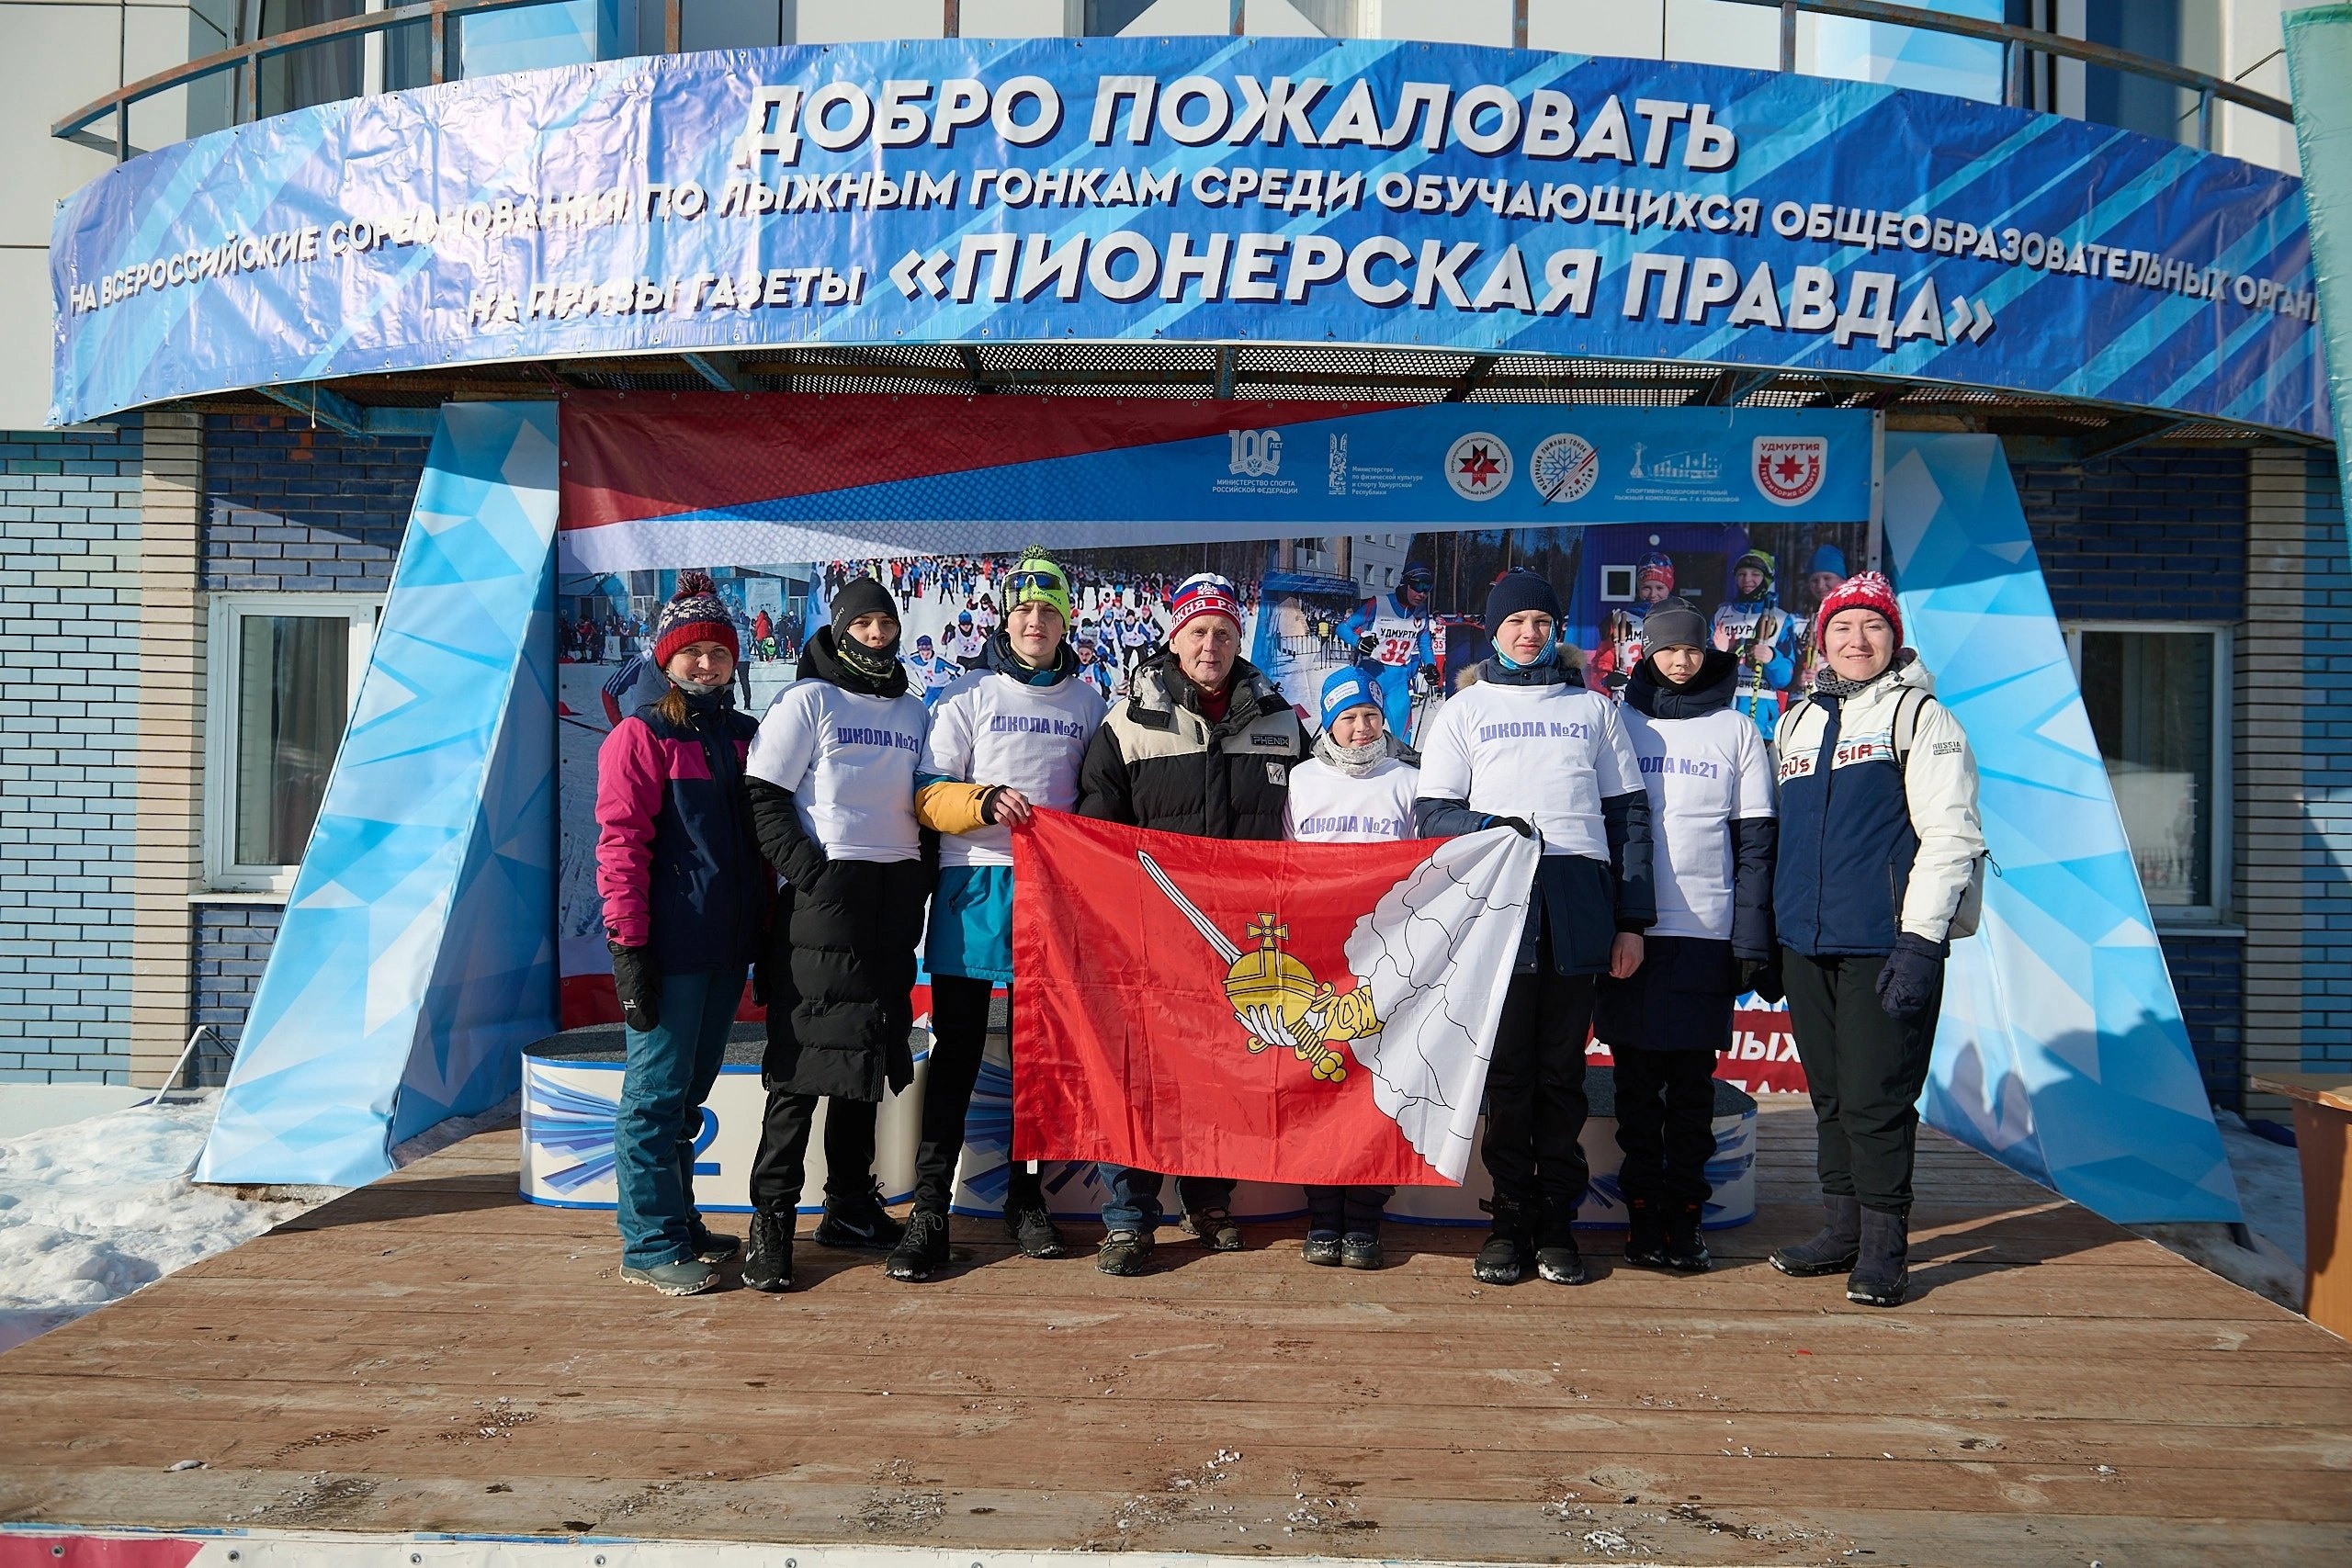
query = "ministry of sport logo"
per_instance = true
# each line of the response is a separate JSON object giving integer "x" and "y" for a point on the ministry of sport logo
{"x": 1478, "y": 466}
{"x": 1564, "y": 468}
{"x": 1257, "y": 453}
{"x": 1789, "y": 468}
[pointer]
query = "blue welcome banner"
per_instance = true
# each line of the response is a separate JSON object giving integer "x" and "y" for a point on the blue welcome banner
{"x": 1291, "y": 190}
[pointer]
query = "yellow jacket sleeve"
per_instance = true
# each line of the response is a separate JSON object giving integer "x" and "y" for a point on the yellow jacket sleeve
{"x": 950, "y": 806}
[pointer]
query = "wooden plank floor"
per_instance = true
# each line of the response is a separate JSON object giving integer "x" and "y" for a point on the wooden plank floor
{"x": 431, "y": 1354}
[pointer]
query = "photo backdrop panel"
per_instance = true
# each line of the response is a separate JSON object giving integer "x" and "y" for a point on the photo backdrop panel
{"x": 2061, "y": 1049}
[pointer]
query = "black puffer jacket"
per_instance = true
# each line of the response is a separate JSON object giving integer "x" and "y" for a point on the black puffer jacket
{"x": 1159, "y": 763}
{"x": 840, "y": 955}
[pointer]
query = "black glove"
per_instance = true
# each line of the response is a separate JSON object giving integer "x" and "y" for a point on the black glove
{"x": 1518, "y": 825}
{"x": 1366, "y": 645}
{"x": 1762, "y": 976}
{"x": 1910, "y": 975}
{"x": 639, "y": 985}
{"x": 988, "y": 799}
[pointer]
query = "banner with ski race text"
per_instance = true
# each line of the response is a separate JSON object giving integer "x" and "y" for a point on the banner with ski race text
{"x": 1052, "y": 192}
{"x": 1274, "y": 1012}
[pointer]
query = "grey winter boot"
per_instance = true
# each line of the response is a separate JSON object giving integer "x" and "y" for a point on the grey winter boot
{"x": 1883, "y": 1275}
{"x": 1835, "y": 1248}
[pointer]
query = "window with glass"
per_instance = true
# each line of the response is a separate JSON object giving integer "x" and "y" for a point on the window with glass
{"x": 283, "y": 669}
{"x": 2156, "y": 696}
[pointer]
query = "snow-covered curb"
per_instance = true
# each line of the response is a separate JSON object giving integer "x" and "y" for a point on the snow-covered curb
{"x": 95, "y": 1209}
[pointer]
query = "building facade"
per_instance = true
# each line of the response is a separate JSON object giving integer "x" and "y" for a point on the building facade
{"x": 192, "y": 592}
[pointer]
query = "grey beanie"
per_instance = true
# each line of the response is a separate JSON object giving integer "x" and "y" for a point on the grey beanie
{"x": 1673, "y": 624}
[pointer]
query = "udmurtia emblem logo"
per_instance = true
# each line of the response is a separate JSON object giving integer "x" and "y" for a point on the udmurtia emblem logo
{"x": 1275, "y": 995}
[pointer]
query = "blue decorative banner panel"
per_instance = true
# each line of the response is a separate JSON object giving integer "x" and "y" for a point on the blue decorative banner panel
{"x": 1303, "y": 191}
{"x": 417, "y": 954}
{"x": 2062, "y": 1049}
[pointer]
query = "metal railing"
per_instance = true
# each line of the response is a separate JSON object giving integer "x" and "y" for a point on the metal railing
{"x": 2018, "y": 45}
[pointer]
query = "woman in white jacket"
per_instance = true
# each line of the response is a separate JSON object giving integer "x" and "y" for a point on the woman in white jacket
{"x": 1356, "y": 788}
{"x": 1879, "y": 851}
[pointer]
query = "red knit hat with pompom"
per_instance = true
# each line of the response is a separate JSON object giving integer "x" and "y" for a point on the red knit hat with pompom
{"x": 693, "y": 615}
{"x": 1866, "y": 591}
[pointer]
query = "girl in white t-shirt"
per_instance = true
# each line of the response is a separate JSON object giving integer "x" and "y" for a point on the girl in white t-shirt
{"x": 1710, "y": 784}
{"x": 1357, "y": 787}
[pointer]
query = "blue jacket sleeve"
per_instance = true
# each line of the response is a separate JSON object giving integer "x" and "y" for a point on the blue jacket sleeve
{"x": 1753, "y": 839}
{"x": 1626, "y": 819}
{"x": 1436, "y": 818}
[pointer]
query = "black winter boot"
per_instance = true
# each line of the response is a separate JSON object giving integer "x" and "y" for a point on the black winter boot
{"x": 1644, "y": 1235}
{"x": 1033, "y": 1232}
{"x": 922, "y": 1251}
{"x": 1510, "y": 1244}
{"x": 767, "y": 1262}
{"x": 1836, "y": 1247}
{"x": 1557, "y": 1258}
{"x": 858, "y": 1220}
{"x": 1685, "y": 1253}
{"x": 1883, "y": 1275}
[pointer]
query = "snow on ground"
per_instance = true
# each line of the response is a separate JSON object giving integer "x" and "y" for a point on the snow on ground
{"x": 93, "y": 1210}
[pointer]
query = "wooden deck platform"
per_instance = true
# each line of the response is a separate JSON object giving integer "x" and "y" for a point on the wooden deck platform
{"x": 431, "y": 1354}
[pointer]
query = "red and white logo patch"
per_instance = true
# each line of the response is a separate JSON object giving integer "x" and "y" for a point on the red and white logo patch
{"x": 1789, "y": 468}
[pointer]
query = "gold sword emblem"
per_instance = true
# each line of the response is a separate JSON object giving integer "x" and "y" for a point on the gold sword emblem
{"x": 1273, "y": 995}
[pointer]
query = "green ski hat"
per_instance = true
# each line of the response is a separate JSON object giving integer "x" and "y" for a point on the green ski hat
{"x": 1039, "y": 578}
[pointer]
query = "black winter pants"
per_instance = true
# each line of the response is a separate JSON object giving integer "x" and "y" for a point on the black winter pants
{"x": 1864, "y": 1071}
{"x": 960, "y": 1033}
{"x": 1535, "y": 1099}
{"x": 779, "y": 1170}
{"x": 1347, "y": 1210}
{"x": 1666, "y": 1123}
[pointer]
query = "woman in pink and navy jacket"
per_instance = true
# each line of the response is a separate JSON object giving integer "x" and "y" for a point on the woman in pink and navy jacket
{"x": 686, "y": 896}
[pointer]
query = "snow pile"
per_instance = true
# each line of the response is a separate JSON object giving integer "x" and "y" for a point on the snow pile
{"x": 91, "y": 1210}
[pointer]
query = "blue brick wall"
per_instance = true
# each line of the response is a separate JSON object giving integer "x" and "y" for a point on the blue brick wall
{"x": 2208, "y": 976}
{"x": 288, "y": 508}
{"x": 232, "y": 947}
{"x": 69, "y": 688}
{"x": 2327, "y": 776}
{"x": 2157, "y": 534}
{"x": 298, "y": 510}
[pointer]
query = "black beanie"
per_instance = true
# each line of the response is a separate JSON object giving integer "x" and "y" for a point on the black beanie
{"x": 860, "y": 595}
{"x": 1516, "y": 589}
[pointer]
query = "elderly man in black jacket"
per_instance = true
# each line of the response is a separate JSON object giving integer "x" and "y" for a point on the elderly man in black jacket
{"x": 1204, "y": 746}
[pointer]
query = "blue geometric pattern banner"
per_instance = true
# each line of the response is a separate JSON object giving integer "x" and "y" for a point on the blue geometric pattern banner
{"x": 2062, "y": 1049}
{"x": 1294, "y": 191}
{"x": 417, "y": 954}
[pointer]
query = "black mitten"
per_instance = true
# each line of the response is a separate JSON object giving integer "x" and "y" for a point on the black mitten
{"x": 1910, "y": 975}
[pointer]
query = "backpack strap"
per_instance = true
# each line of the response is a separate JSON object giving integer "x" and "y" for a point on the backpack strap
{"x": 1906, "y": 723}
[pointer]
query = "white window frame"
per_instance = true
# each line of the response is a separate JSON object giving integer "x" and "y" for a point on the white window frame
{"x": 222, "y": 872}
{"x": 2223, "y": 804}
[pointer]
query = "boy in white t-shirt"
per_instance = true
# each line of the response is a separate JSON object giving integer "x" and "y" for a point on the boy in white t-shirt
{"x": 1710, "y": 783}
{"x": 1527, "y": 747}
{"x": 1356, "y": 788}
